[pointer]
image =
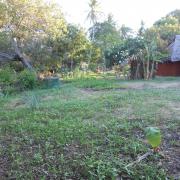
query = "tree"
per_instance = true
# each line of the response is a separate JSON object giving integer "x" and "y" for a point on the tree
{"x": 32, "y": 23}
{"x": 106, "y": 36}
{"x": 74, "y": 48}
{"x": 142, "y": 29}
{"x": 168, "y": 26}
{"x": 93, "y": 14}
{"x": 126, "y": 32}
{"x": 31, "y": 18}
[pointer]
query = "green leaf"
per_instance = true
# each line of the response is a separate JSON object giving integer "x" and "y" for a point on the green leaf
{"x": 153, "y": 136}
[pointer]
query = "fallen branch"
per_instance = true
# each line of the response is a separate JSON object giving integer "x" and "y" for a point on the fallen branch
{"x": 140, "y": 158}
{"x": 20, "y": 56}
{"x": 6, "y": 57}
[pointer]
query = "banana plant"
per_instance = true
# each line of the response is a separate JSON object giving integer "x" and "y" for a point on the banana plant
{"x": 153, "y": 136}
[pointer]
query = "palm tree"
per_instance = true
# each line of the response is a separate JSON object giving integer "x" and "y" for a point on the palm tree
{"x": 125, "y": 31}
{"x": 93, "y": 14}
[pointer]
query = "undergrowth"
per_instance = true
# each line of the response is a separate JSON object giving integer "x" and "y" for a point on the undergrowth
{"x": 68, "y": 133}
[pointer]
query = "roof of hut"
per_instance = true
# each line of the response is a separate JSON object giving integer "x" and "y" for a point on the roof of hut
{"x": 175, "y": 49}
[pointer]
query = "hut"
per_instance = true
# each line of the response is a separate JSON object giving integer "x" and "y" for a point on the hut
{"x": 171, "y": 65}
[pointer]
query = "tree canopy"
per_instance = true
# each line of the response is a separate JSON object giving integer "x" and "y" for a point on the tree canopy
{"x": 44, "y": 35}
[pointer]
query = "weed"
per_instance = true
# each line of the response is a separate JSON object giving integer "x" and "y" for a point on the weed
{"x": 82, "y": 134}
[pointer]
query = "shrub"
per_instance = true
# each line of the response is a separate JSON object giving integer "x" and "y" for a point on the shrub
{"x": 7, "y": 76}
{"x": 32, "y": 100}
{"x": 27, "y": 79}
{"x": 7, "y": 80}
{"x": 7, "y": 90}
{"x": 93, "y": 67}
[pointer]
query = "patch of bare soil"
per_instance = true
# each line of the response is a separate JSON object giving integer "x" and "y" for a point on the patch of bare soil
{"x": 170, "y": 112}
{"x": 72, "y": 150}
{"x": 124, "y": 112}
{"x": 47, "y": 97}
{"x": 88, "y": 93}
{"x": 165, "y": 85}
{"x": 15, "y": 103}
{"x": 134, "y": 85}
{"x": 150, "y": 85}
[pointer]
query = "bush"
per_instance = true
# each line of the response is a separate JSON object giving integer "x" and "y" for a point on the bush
{"x": 7, "y": 75}
{"x": 7, "y": 90}
{"x": 32, "y": 100}
{"x": 7, "y": 80}
{"x": 93, "y": 67}
{"x": 27, "y": 79}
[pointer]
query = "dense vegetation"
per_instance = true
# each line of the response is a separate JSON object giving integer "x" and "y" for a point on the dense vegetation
{"x": 51, "y": 42}
{"x": 90, "y": 129}
{"x": 91, "y": 124}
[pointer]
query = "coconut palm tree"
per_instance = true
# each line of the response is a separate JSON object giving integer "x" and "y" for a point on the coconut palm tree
{"x": 93, "y": 14}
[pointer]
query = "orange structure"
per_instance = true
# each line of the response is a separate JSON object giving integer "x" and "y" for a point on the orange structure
{"x": 171, "y": 66}
{"x": 168, "y": 69}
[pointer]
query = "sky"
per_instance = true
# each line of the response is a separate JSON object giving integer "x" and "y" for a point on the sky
{"x": 128, "y": 12}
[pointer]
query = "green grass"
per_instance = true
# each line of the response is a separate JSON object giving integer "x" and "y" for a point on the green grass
{"x": 74, "y": 133}
{"x": 97, "y": 84}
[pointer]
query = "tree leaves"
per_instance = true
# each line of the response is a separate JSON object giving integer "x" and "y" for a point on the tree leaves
{"x": 153, "y": 136}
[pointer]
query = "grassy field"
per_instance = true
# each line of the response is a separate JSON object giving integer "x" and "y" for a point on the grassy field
{"x": 90, "y": 129}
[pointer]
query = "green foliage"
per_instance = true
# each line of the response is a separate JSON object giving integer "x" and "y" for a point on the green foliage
{"x": 153, "y": 135}
{"x": 126, "y": 32}
{"x": 94, "y": 11}
{"x": 105, "y": 35}
{"x": 165, "y": 30}
{"x": 5, "y": 43}
{"x": 8, "y": 79}
{"x": 27, "y": 79}
{"x": 45, "y": 13}
{"x": 93, "y": 67}
{"x": 7, "y": 75}
{"x": 91, "y": 134}
{"x": 73, "y": 48}
{"x": 97, "y": 84}
{"x": 32, "y": 100}
{"x": 122, "y": 70}
{"x": 9, "y": 89}
{"x": 37, "y": 34}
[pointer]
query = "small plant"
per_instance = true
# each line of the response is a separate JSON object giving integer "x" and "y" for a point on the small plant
{"x": 153, "y": 136}
{"x": 8, "y": 89}
{"x": 7, "y": 80}
{"x": 32, "y": 101}
{"x": 7, "y": 75}
{"x": 27, "y": 79}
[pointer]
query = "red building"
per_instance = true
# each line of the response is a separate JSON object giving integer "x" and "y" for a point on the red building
{"x": 171, "y": 66}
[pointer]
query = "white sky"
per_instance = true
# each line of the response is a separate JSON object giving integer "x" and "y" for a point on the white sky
{"x": 128, "y": 12}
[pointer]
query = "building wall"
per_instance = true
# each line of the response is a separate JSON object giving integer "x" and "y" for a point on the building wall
{"x": 168, "y": 69}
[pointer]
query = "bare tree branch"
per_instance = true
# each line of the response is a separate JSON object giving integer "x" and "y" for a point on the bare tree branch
{"x": 6, "y": 57}
{"x": 20, "y": 56}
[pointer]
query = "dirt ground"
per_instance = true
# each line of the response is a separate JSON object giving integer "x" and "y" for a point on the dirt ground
{"x": 154, "y": 85}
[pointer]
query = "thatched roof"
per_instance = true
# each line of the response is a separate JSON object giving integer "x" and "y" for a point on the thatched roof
{"x": 175, "y": 49}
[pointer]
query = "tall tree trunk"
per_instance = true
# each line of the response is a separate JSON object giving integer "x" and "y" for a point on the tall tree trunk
{"x": 71, "y": 65}
{"x": 147, "y": 69}
{"x": 137, "y": 74}
{"x": 152, "y": 69}
{"x": 144, "y": 69}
